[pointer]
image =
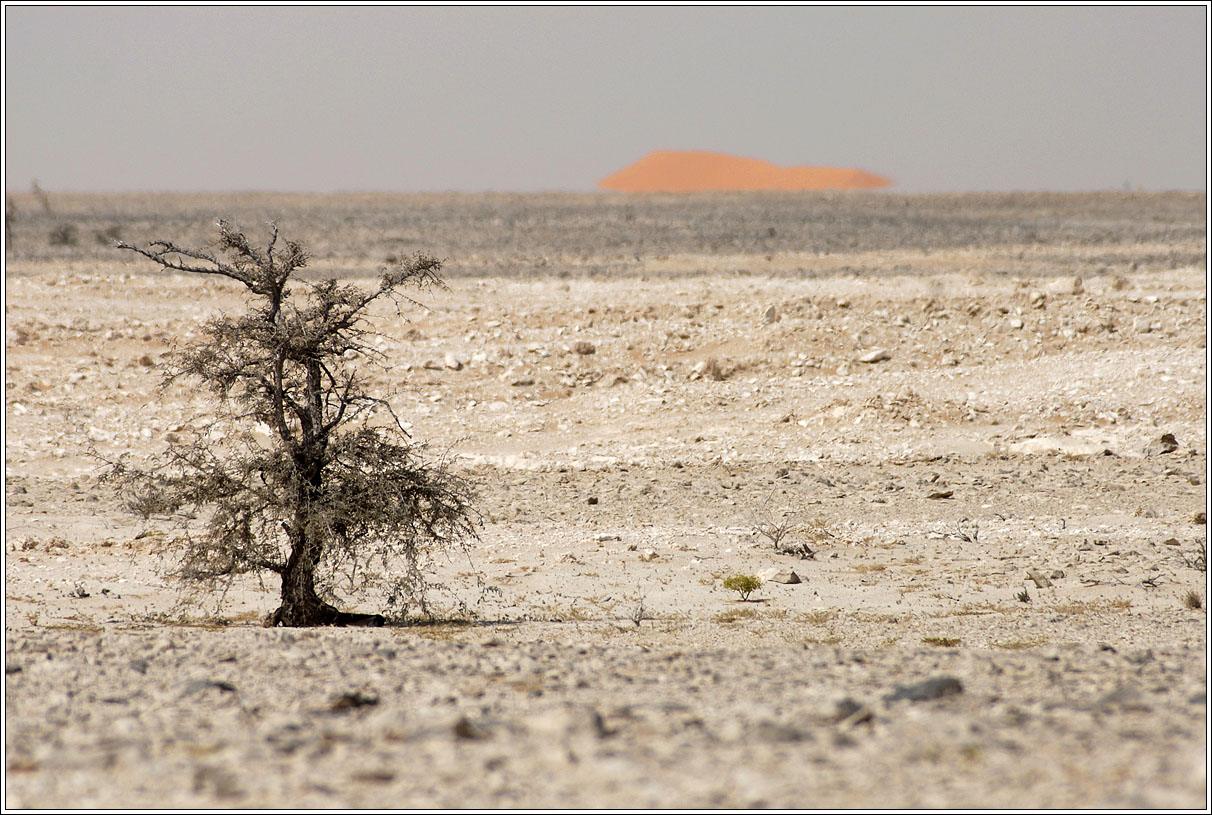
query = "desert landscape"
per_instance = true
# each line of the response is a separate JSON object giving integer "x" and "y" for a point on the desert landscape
{"x": 961, "y": 440}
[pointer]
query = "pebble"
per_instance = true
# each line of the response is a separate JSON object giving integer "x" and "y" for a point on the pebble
{"x": 468, "y": 730}
{"x": 875, "y": 355}
{"x": 584, "y": 348}
{"x": 353, "y": 700}
{"x": 790, "y": 578}
{"x": 1040, "y": 579}
{"x": 1166, "y": 444}
{"x": 1067, "y": 285}
{"x": 934, "y": 688}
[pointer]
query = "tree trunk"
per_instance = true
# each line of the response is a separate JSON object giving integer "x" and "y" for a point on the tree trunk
{"x": 302, "y": 607}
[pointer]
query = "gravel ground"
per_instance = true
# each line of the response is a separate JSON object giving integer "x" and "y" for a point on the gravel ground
{"x": 983, "y": 420}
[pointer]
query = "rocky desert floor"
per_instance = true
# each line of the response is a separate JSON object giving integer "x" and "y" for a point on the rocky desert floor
{"x": 962, "y": 440}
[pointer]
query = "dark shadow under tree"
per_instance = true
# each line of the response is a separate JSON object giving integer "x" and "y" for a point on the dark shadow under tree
{"x": 338, "y": 489}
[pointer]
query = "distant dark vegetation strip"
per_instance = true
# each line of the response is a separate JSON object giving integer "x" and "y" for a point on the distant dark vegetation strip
{"x": 608, "y": 234}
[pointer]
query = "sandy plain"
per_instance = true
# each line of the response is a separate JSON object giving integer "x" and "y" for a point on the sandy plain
{"x": 636, "y": 383}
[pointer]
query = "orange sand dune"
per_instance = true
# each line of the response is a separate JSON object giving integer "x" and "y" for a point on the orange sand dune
{"x": 697, "y": 170}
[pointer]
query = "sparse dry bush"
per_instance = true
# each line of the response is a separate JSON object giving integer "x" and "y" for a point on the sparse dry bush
{"x": 337, "y": 491}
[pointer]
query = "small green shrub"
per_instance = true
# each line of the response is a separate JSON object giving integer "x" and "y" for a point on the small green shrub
{"x": 743, "y": 584}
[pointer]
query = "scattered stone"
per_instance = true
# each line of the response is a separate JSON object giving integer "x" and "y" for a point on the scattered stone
{"x": 934, "y": 688}
{"x": 1016, "y": 323}
{"x": 1166, "y": 444}
{"x": 584, "y": 348}
{"x": 218, "y": 780}
{"x": 1139, "y": 656}
{"x": 468, "y": 730}
{"x": 790, "y": 578}
{"x": 844, "y": 709}
{"x": 649, "y": 555}
{"x": 452, "y": 362}
{"x": 940, "y": 495}
{"x": 780, "y": 732}
{"x": 1052, "y": 444}
{"x": 1056, "y": 574}
{"x": 592, "y": 501}
{"x": 857, "y": 714}
{"x": 204, "y": 684}
{"x": 770, "y": 315}
{"x": 1067, "y": 285}
{"x": 801, "y": 550}
{"x": 1037, "y": 577}
{"x": 875, "y": 355}
{"x": 708, "y": 369}
{"x": 1124, "y": 698}
{"x": 1200, "y": 517}
{"x": 353, "y": 700}
{"x": 523, "y": 382}
{"x": 139, "y": 665}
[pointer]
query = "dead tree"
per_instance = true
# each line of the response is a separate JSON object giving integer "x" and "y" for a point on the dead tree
{"x": 337, "y": 487}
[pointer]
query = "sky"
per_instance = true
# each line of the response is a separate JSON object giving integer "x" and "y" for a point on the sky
{"x": 413, "y": 99}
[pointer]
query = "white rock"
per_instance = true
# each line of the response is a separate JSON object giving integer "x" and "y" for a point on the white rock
{"x": 1067, "y": 285}
{"x": 875, "y": 355}
{"x": 1057, "y": 444}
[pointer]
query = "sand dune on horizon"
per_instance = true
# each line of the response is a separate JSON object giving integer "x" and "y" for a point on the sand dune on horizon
{"x": 700, "y": 170}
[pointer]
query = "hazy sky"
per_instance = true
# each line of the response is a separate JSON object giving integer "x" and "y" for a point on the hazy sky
{"x": 522, "y": 99}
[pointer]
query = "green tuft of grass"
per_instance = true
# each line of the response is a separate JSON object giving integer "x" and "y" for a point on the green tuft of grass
{"x": 942, "y": 642}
